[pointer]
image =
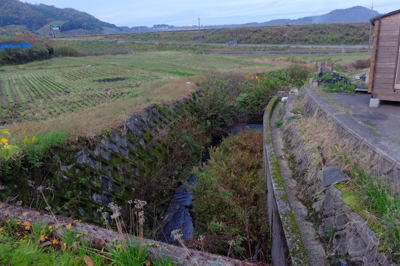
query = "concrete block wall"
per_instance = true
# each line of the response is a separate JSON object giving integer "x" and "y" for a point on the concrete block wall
{"x": 380, "y": 154}
{"x": 115, "y": 165}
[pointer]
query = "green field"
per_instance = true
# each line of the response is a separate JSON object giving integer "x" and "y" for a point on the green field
{"x": 37, "y": 93}
{"x": 64, "y": 85}
{"x": 60, "y": 94}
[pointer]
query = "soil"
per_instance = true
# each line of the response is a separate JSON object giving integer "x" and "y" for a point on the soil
{"x": 110, "y": 79}
{"x": 3, "y": 96}
{"x": 24, "y": 91}
{"x": 14, "y": 93}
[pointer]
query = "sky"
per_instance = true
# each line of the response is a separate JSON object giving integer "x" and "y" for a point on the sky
{"x": 212, "y": 12}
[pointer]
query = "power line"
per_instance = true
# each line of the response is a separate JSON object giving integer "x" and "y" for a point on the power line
{"x": 199, "y": 37}
{"x": 370, "y": 28}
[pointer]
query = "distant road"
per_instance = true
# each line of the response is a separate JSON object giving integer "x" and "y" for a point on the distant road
{"x": 284, "y": 52}
{"x": 224, "y": 44}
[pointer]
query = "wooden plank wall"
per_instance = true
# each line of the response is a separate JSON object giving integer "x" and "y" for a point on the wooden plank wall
{"x": 371, "y": 73}
{"x": 381, "y": 85}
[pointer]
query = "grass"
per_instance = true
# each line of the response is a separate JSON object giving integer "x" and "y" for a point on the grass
{"x": 83, "y": 108}
{"x": 368, "y": 195}
{"x": 22, "y": 243}
{"x": 335, "y": 33}
{"x": 229, "y": 209}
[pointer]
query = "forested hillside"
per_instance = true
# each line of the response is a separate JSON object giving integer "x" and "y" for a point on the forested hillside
{"x": 13, "y": 12}
{"x": 356, "y": 14}
{"x": 338, "y": 33}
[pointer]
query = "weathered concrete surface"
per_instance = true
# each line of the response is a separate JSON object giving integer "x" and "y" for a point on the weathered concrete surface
{"x": 287, "y": 247}
{"x": 314, "y": 249}
{"x": 350, "y": 239}
{"x": 380, "y": 154}
{"x": 385, "y": 118}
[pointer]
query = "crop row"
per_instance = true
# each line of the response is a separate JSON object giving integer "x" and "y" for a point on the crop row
{"x": 32, "y": 95}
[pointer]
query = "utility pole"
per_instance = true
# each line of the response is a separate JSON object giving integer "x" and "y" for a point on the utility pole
{"x": 199, "y": 37}
{"x": 370, "y": 28}
{"x": 87, "y": 45}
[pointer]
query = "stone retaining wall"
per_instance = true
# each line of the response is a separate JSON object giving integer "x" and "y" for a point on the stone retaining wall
{"x": 382, "y": 155}
{"x": 351, "y": 240}
{"x": 82, "y": 175}
{"x": 119, "y": 160}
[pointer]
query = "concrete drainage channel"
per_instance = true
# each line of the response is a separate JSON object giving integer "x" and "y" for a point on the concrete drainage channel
{"x": 309, "y": 220}
{"x": 287, "y": 247}
{"x": 294, "y": 204}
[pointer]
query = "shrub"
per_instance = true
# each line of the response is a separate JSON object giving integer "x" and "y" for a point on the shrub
{"x": 298, "y": 74}
{"x": 361, "y": 64}
{"x": 66, "y": 51}
{"x": 229, "y": 197}
{"x": 6, "y": 150}
{"x": 217, "y": 109}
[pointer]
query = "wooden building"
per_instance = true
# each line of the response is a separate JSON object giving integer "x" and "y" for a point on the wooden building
{"x": 384, "y": 77}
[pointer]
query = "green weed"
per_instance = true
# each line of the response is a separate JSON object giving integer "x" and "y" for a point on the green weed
{"x": 231, "y": 206}
{"x": 134, "y": 255}
{"x": 279, "y": 123}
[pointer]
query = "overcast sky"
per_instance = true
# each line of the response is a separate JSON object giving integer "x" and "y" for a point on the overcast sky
{"x": 212, "y": 12}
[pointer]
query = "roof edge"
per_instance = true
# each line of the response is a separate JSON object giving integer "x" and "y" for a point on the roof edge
{"x": 372, "y": 20}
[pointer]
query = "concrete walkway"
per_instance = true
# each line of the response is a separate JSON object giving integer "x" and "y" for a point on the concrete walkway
{"x": 385, "y": 119}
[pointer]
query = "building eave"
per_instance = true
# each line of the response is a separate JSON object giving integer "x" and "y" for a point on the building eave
{"x": 372, "y": 20}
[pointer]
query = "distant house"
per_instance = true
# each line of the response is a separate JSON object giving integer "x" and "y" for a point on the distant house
{"x": 232, "y": 42}
{"x": 384, "y": 81}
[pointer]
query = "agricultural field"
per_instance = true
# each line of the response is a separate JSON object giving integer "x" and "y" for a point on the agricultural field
{"x": 40, "y": 94}
{"x": 62, "y": 94}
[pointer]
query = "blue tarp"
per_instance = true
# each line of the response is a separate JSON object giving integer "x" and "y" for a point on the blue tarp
{"x": 10, "y": 45}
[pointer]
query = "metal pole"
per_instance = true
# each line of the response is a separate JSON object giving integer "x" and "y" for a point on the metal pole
{"x": 199, "y": 37}
{"x": 370, "y": 28}
{"x": 87, "y": 45}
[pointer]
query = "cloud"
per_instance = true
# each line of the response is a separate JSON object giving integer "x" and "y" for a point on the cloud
{"x": 180, "y": 12}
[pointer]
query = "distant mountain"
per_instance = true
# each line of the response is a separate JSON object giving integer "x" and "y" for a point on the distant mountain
{"x": 35, "y": 17}
{"x": 19, "y": 17}
{"x": 355, "y": 14}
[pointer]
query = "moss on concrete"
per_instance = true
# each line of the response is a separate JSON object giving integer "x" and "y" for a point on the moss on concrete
{"x": 297, "y": 251}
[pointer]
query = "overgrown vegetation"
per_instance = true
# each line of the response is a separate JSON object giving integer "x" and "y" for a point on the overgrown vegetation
{"x": 369, "y": 195}
{"x": 23, "y": 243}
{"x": 229, "y": 199}
{"x": 41, "y": 49}
{"x": 335, "y": 33}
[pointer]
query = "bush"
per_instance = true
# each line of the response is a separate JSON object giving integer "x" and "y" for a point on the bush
{"x": 229, "y": 199}
{"x": 361, "y": 64}
{"x": 66, "y": 51}
{"x": 298, "y": 74}
{"x": 217, "y": 109}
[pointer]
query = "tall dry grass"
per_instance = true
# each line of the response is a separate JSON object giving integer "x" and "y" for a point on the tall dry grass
{"x": 91, "y": 121}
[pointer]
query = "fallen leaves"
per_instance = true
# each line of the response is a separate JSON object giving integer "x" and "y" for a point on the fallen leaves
{"x": 68, "y": 226}
{"x": 55, "y": 241}
{"x": 44, "y": 244}
{"x": 42, "y": 238}
{"x": 27, "y": 225}
{"x": 88, "y": 261}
